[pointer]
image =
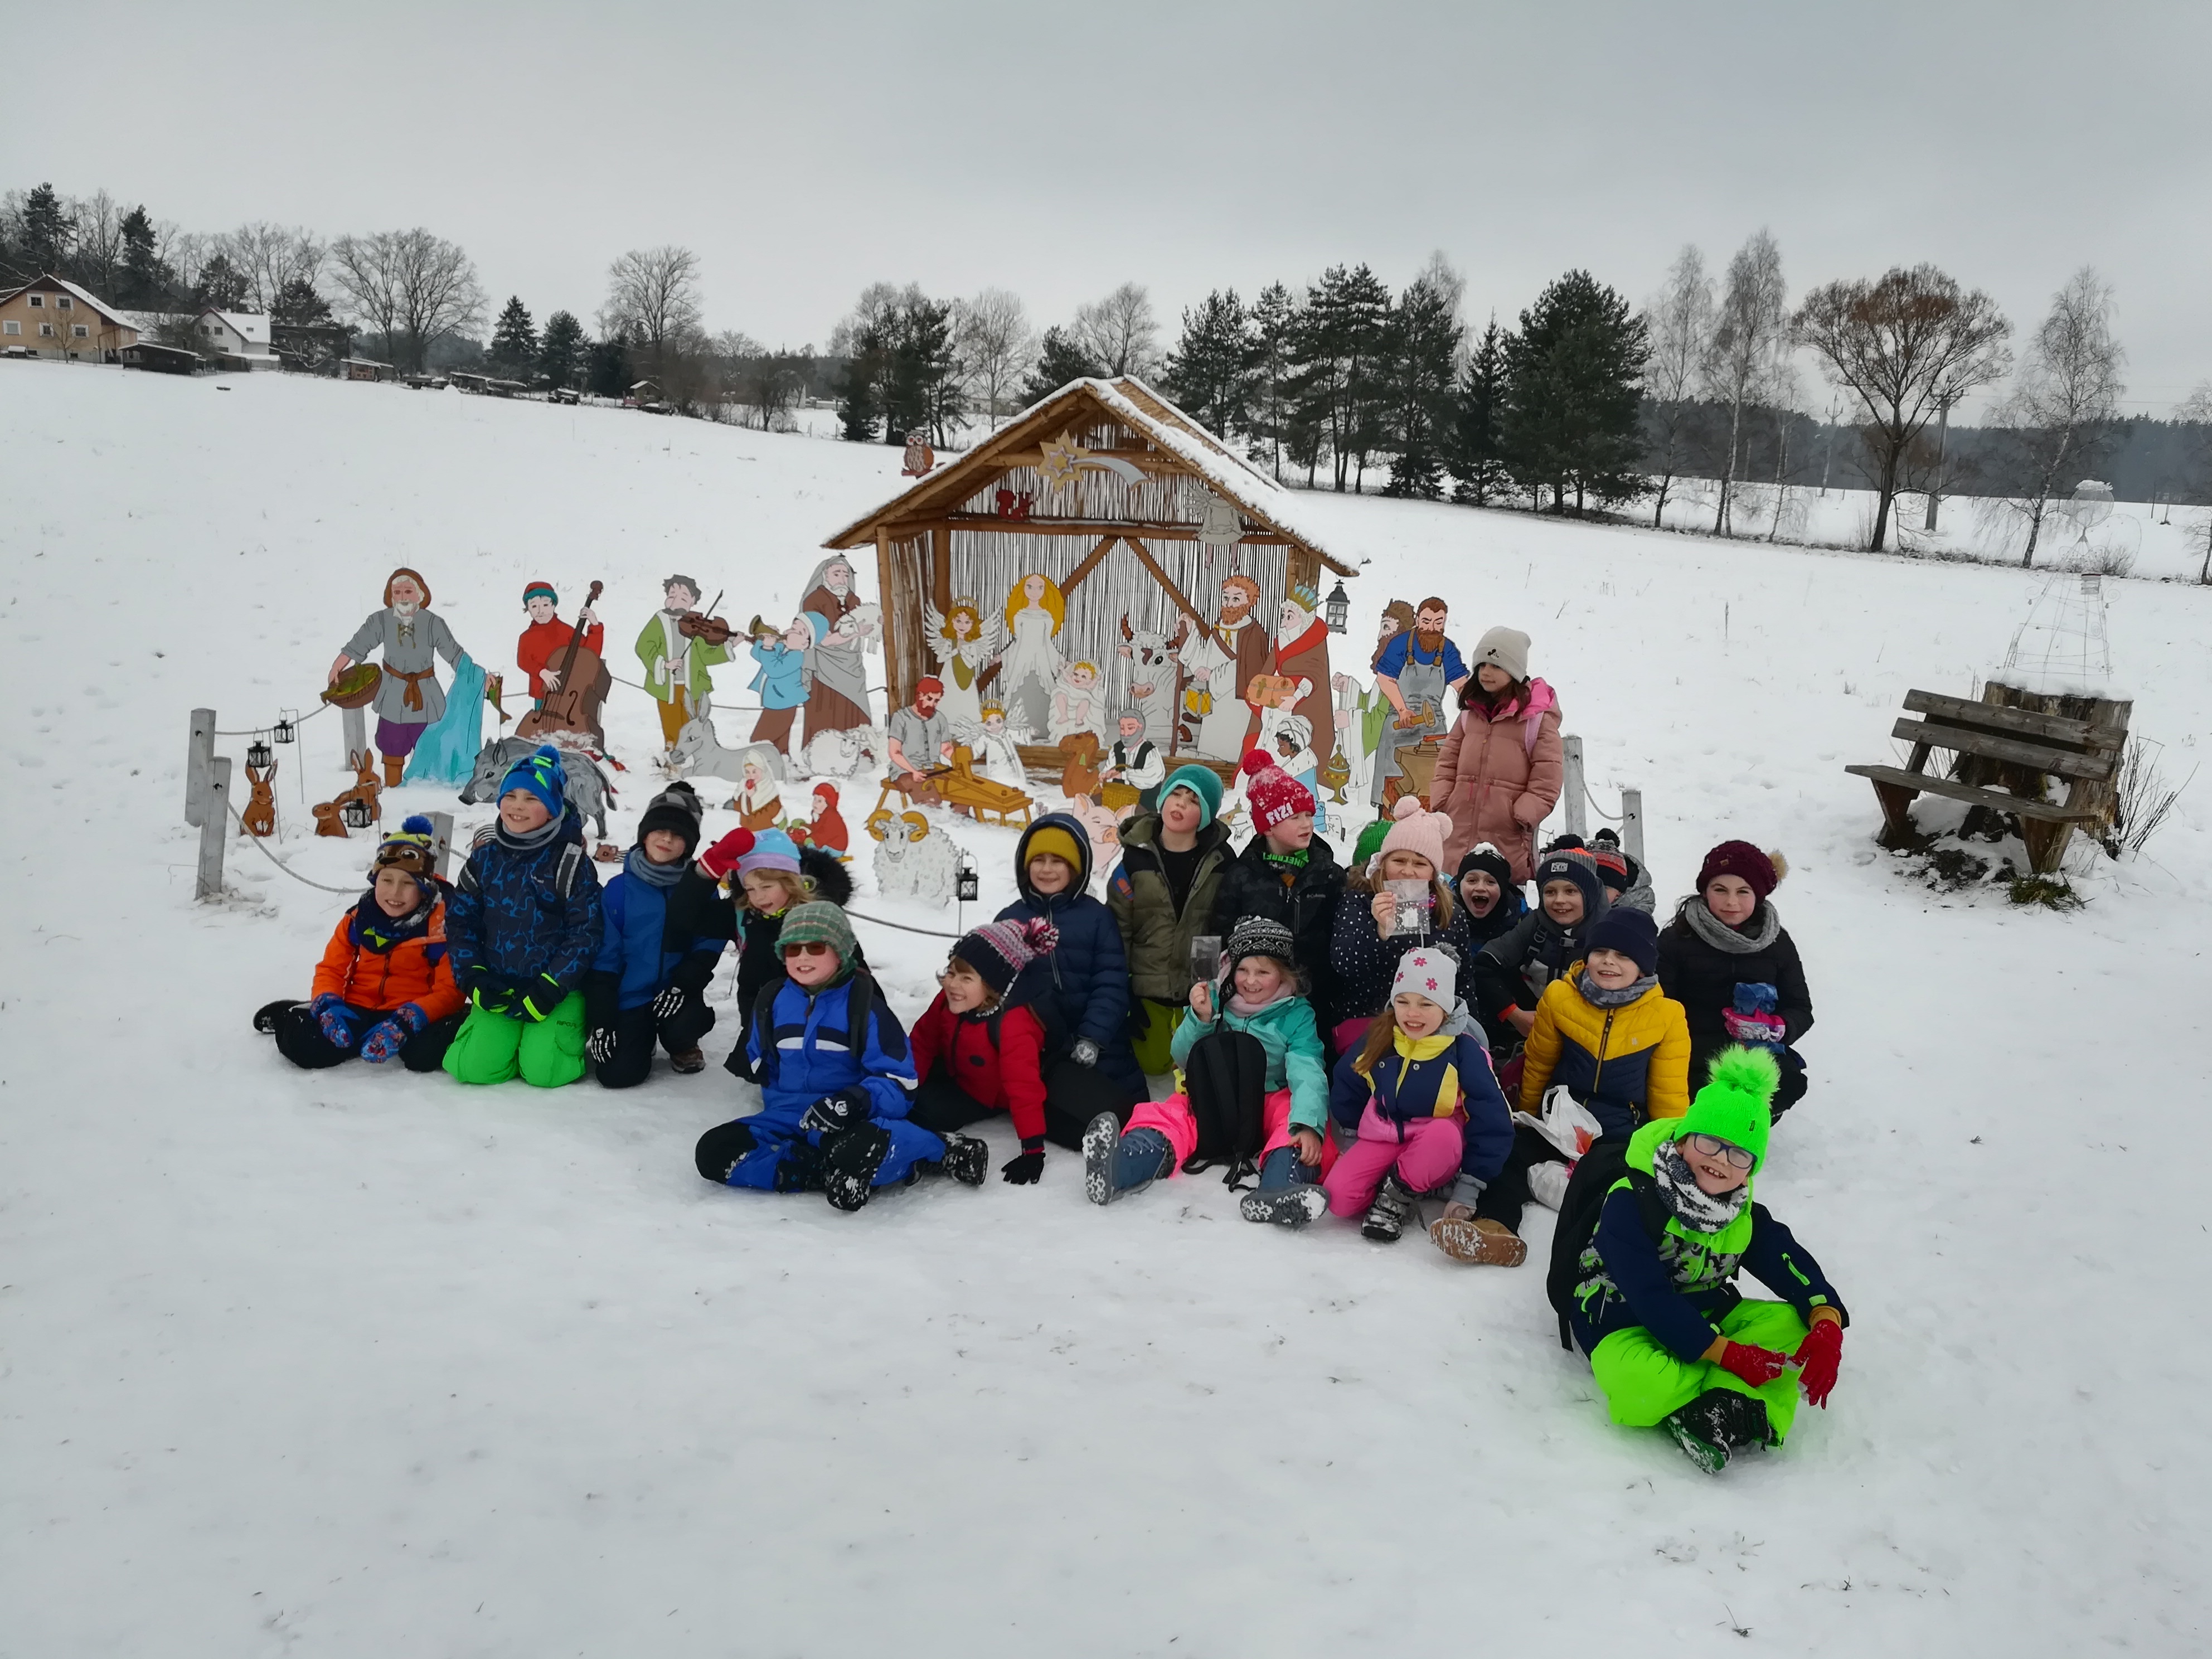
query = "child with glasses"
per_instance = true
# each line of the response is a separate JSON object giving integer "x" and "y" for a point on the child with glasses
{"x": 1670, "y": 1339}
{"x": 767, "y": 874}
{"x": 834, "y": 1071}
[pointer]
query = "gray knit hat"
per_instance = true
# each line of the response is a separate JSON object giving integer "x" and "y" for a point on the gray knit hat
{"x": 818, "y": 922}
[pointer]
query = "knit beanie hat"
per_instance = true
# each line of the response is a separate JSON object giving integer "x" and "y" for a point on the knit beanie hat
{"x": 772, "y": 849}
{"x": 1430, "y": 971}
{"x": 1760, "y": 871}
{"x": 543, "y": 775}
{"x": 1370, "y": 842}
{"x": 1485, "y": 857}
{"x": 1576, "y": 868}
{"x": 1275, "y": 796}
{"x": 1259, "y": 936}
{"x": 999, "y": 950}
{"x": 1610, "y": 864}
{"x": 1735, "y": 1103}
{"x": 1503, "y": 647}
{"x": 412, "y": 847}
{"x": 1632, "y": 933}
{"x": 818, "y": 922}
{"x": 1053, "y": 842}
{"x": 535, "y": 589}
{"x": 1203, "y": 781}
{"x": 1417, "y": 831}
{"x": 676, "y": 808}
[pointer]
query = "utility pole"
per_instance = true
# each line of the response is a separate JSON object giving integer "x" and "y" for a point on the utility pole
{"x": 1942, "y": 434}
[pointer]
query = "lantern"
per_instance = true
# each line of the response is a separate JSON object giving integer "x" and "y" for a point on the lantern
{"x": 356, "y": 814}
{"x": 282, "y": 733}
{"x": 1336, "y": 607}
{"x": 259, "y": 755}
{"x": 965, "y": 883}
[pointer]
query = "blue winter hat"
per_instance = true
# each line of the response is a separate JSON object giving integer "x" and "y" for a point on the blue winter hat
{"x": 772, "y": 849}
{"x": 1203, "y": 781}
{"x": 1631, "y": 932}
{"x": 541, "y": 774}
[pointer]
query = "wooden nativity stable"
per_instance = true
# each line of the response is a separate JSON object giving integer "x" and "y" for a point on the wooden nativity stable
{"x": 1133, "y": 511}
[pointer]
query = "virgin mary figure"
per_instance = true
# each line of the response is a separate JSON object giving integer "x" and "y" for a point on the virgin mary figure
{"x": 1031, "y": 662}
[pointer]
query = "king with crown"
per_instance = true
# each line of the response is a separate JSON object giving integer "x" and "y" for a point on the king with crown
{"x": 1301, "y": 654}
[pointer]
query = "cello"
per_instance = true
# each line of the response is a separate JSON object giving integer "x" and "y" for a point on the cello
{"x": 574, "y": 705}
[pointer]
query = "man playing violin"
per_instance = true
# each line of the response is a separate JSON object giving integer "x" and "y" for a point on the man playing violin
{"x": 547, "y": 636}
{"x": 676, "y": 664}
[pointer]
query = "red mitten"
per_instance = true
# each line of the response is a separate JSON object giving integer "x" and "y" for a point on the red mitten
{"x": 1817, "y": 1357}
{"x": 1757, "y": 1366}
{"x": 722, "y": 856}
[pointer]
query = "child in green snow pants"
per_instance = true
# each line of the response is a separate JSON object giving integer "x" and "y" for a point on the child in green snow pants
{"x": 1154, "y": 1044}
{"x": 495, "y": 1047}
{"x": 1644, "y": 1382}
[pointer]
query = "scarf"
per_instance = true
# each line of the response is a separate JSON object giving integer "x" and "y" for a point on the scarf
{"x": 542, "y": 835}
{"x": 1244, "y": 1009}
{"x": 1694, "y": 914}
{"x": 638, "y": 867}
{"x": 376, "y": 932}
{"x": 1686, "y": 1201}
{"x": 1288, "y": 863}
{"x": 1598, "y": 997}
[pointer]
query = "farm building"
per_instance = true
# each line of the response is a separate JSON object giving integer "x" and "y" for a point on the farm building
{"x": 236, "y": 339}
{"x": 52, "y": 317}
{"x": 159, "y": 359}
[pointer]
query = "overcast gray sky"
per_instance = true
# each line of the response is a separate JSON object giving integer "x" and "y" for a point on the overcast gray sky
{"x": 1056, "y": 149}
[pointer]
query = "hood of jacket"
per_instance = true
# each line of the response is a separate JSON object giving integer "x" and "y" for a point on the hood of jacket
{"x": 1071, "y": 825}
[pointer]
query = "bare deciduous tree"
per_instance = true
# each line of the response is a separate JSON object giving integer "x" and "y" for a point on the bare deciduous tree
{"x": 1749, "y": 329}
{"x": 1681, "y": 320}
{"x": 1119, "y": 331}
{"x": 269, "y": 256}
{"x": 409, "y": 286}
{"x": 2061, "y": 407}
{"x": 995, "y": 344}
{"x": 653, "y": 295}
{"x": 99, "y": 246}
{"x": 2196, "y": 408}
{"x": 1900, "y": 345}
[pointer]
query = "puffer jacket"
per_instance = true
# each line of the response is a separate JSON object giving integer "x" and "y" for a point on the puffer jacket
{"x": 1498, "y": 775}
{"x": 517, "y": 917}
{"x": 1304, "y": 902}
{"x": 1362, "y": 962}
{"x": 1155, "y": 941}
{"x": 374, "y": 963}
{"x": 1448, "y": 1075}
{"x": 1626, "y": 1065}
{"x": 996, "y": 1059}
{"x": 804, "y": 1046}
{"x": 1085, "y": 975}
{"x": 760, "y": 963}
{"x": 1285, "y": 1029}
{"x": 1703, "y": 978}
{"x": 641, "y": 953}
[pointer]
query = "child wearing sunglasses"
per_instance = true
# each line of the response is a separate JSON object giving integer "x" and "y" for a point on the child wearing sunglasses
{"x": 834, "y": 1071}
{"x": 1670, "y": 1339}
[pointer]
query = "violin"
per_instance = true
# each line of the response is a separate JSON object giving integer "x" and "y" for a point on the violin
{"x": 714, "y": 630}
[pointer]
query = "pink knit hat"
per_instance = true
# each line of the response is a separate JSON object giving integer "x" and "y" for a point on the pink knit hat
{"x": 1417, "y": 831}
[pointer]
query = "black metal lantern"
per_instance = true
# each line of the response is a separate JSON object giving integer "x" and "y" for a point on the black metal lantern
{"x": 965, "y": 885}
{"x": 259, "y": 755}
{"x": 1337, "y": 607}
{"x": 282, "y": 732}
{"x": 356, "y": 812}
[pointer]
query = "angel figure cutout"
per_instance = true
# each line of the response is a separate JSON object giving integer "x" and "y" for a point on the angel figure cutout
{"x": 993, "y": 743}
{"x": 964, "y": 646}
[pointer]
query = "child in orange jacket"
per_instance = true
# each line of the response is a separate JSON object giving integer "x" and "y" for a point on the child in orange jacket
{"x": 384, "y": 986}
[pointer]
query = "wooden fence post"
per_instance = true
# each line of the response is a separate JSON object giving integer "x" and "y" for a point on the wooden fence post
{"x": 197, "y": 756}
{"x": 441, "y": 843}
{"x": 1571, "y": 792}
{"x": 356, "y": 738}
{"x": 214, "y": 828}
{"x": 1631, "y": 823}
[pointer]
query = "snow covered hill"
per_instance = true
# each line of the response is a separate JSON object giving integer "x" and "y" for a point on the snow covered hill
{"x": 356, "y": 1363}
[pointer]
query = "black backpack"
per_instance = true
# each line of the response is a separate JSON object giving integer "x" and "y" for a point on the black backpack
{"x": 1225, "y": 1081}
{"x": 1604, "y": 1164}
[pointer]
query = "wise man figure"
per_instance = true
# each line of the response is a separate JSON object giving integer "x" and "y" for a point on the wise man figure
{"x": 836, "y": 676}
{"x": 1301, "y": 655}
{"x": 412, "y": 637}
{"x": 675, "y": 665}
{"x": 1222, "y": 659}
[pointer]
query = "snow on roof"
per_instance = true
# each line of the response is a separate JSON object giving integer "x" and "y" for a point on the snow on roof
{"x": 49, "y": 280}
{"x": 251, "y": 326}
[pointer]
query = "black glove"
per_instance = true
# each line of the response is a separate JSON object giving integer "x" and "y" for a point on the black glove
{"x": 1085, "y": 1052}
{"x": 1022, "y": 1171}
{"x": 669, "y": 1002}
{"x": 600, "y": 1045}
{"x": 539, "y": 998}
{"x": 489, "y": 991}
{"x": 834, "y": 1114}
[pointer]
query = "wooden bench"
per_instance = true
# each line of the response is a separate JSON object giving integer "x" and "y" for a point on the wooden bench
{"x": 1996, "y": 743}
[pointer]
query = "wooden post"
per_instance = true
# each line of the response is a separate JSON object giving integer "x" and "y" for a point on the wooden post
{"x": 197, "y": 756}
{"x": 214, "y": 828}
{"x": 1631, "y": 823}
{"x": 1571, "y": 793}
{"x": 356, "y": 738}
{"x": 441, "y": 843}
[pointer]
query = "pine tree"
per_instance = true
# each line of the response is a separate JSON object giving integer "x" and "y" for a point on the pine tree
{"x": 1423, "y": 345}
{"x": 298, "y": 303}
{"x": 221, "y": 287}
{"x": 921, "y": 387}
{"x": 146, "y": 278}
{"x": 1570, "y": 407}
{"x": 1274, "y": 333}
{"x": 46, "y": 231}
{"x": 1339, "y": 386}
{"x": 1211, "y": 373}
{"x": 561, "y": 350}
{"x": 1478, "y": 459}
{"x": 1060, "y": 360}
{"x": 606, "y": 367}
{"x": 514, "y": 340}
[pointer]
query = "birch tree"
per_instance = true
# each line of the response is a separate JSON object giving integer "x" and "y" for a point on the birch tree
{"x": 2060, "y": 410}
{"x": 1748, "y": 329}
{"x": 994, "y": 343}
{"x": 1680, "y": 317}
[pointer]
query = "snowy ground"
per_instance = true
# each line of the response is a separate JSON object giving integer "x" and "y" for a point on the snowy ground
{"x": 356, "y": 1363}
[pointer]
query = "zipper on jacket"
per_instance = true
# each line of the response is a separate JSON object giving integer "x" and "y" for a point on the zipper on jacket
{"x": 1604, "y": 1041}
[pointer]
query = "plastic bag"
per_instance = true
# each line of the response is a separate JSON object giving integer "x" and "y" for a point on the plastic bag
{"x": 446, "y": 753}
{"x": 1566, "y": 1122}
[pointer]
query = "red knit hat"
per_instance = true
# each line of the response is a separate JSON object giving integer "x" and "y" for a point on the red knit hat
{"x": 1275, "y": 796}
{"x": 1759, "y": 870}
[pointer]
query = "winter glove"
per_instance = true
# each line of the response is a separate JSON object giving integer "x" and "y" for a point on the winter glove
{"x": 490, "y": 992}
{"x": 1757, "y": 1366}
{"x": 1817, "y": 1357}
{"x": 538, "y": 1001}
{"x": 388, "y": 1035}
{"x": 1023, "y": 1171}
{"x": 834, "y": 1114}
{"x": 669, "y": 1003}
{"x": 1752, "y": 1028}
{"x": 1085, "y": 1052}
{"x": 600, "y": 1045}
{"x": 328, "y": 1010}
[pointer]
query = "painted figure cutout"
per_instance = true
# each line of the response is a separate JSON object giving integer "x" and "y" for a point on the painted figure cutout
{"x": 1030, "y": 666}
{"x": 411, "y": 637}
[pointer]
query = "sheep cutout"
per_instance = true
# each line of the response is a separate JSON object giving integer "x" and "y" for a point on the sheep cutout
{"x": 840, "y": 754}
{"x": 912, "y": 861}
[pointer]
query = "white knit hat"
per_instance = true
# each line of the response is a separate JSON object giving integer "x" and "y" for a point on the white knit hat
{"x": 1430, "y": 971}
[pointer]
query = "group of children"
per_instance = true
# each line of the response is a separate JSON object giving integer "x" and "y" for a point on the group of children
{"x": 1373, "y": 1040}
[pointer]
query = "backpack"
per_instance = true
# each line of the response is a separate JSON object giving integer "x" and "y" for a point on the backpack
{"x": 1605, "y": 1164}
{"x": 1225, "y": 1083}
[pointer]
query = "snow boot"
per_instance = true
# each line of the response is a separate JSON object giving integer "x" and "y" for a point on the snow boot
{"x": 966, "y": 1159}
{"x": 1717, "y": 1424}
{"x": 1386, "y": 1216}
{"x": 688, "y": 1062}
{"x": 1479, "y": 1240}
{"x": 395, "y": 767}
{"x": 1287, "y": 1206}
{"x": 849, "y": 1162}
{"x": 266, "y": 1016}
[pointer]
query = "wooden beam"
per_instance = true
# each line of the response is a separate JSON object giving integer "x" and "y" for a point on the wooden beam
{"x": 1160, "y": 532}
{"x": 1145, "y": 555}
{"x": 2036, "y": 756}
{"x": 2026, "y": 722}
{"x": 1089, "y": 564}
{"x": 888, "y": 589}
{"x": 1149, "y": 460}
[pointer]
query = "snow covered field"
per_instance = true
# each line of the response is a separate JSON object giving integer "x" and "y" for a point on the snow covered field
{"x": 358, "y": 1362}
